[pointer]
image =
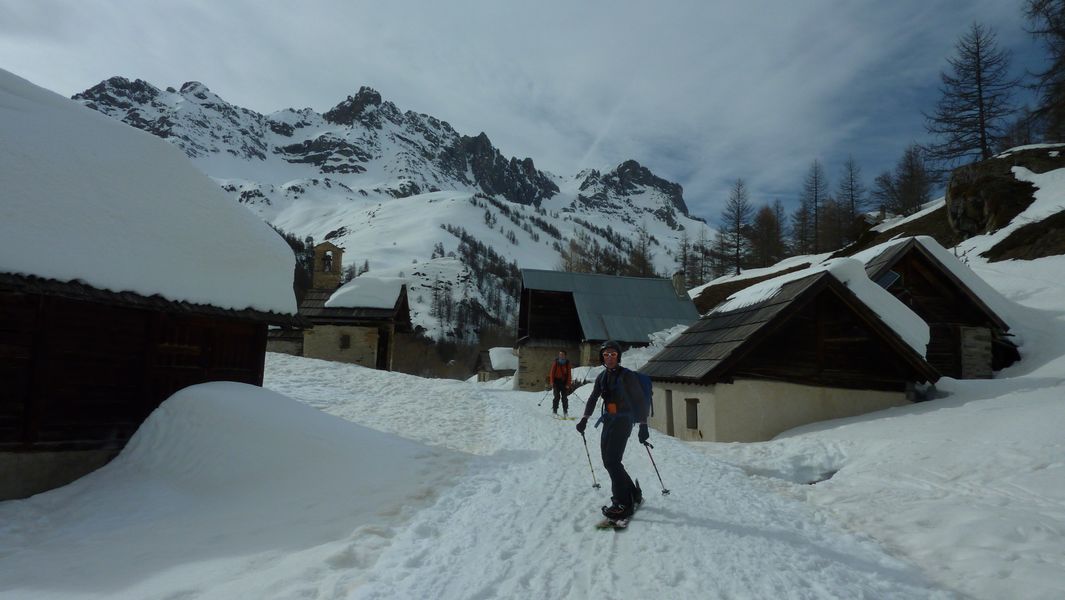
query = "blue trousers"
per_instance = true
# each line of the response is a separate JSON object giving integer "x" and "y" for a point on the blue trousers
{"x": 616, "y": 432}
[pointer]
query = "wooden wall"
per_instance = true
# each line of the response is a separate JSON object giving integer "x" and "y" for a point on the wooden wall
{"x": 826, "y": 344}
{"x": 83, "y": 375}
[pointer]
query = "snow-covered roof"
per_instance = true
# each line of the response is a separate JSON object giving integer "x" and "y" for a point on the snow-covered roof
{"x": 503, "y": 358}
{"x": 992, "y": 299}
{"x": 851, "y": 273}
{"x": 367, "y": 292}
{"x": 91, "y": 199}
{"x": 781, "y": 266}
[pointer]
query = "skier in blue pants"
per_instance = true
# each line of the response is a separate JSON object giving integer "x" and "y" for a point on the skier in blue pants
{"x": 621, "y": 391}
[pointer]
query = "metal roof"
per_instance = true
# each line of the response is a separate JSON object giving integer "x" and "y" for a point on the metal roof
{"x": 609, "y": 307}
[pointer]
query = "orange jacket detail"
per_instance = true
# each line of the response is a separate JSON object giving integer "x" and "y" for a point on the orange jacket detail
{"x": 560, "y": 372}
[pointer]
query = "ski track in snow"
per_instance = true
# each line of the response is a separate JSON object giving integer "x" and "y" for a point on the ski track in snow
{"x": 520, "y": 522}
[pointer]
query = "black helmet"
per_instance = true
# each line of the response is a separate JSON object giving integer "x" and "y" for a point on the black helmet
{"x": 610, "y": 345}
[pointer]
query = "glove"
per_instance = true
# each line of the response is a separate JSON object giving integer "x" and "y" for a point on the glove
{"x": 582, "y": 425}
{"x": 643, "y": 435}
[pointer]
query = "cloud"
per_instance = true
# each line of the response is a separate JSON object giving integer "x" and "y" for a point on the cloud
{"x": 700, "y": 92}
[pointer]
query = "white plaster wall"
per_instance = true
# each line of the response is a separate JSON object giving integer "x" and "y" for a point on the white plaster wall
{"x": 678, "y": 393}
{"x": 750, "y": 410}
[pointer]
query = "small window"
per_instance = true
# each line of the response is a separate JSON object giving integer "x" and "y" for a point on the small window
{"x": 345, "y": 341}
{"x": 692, "y": 409}
{"x": 888, "y": 279}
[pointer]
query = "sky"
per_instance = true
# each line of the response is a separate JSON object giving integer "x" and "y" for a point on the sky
{"x": 701, "y": 92}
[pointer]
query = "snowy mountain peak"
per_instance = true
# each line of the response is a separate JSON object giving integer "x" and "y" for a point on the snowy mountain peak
{"x": 404, "y": 189}
{"x": 630, "y": 189}
{"x": 364, "y": 108}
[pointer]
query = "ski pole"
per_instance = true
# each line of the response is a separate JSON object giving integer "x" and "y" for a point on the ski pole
{"x": 595, "y": 483}
{"x": 546, "y": 392}
{"x": 665, "y": 492}
{"x": 574, "y": 394}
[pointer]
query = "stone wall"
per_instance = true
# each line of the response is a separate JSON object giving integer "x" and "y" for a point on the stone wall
{"x": 975, "y": 352}
{"x": 534, "y": 363}
{"x": 285, "y": 341}
{"x": 23, "y": 474}
{"x": 327, "y": 342}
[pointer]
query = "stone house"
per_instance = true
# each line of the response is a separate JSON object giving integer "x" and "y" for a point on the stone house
{"x": 360, "y": 322}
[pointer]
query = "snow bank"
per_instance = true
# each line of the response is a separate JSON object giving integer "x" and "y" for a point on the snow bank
{"x": 222, "y": 472}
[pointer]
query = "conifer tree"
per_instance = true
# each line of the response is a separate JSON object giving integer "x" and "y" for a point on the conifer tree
{"x": 735, "y": 221}
{"x": 813, "y": 198}
{"x": 640, "y": 256}
{"x": 767, "y": 237}
{"x": 1046, "y": 21}
{"x": 909, "y": 187}
{"x": 852, "y": 197}
{"x": 685, "y": 257}
{"x": 801, "y": 229}
{"x": 701, "y": 266}
{"x": 976, "y": 100}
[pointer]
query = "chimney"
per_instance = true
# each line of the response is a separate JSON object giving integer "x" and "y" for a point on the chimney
{"x": 678, "y": 285}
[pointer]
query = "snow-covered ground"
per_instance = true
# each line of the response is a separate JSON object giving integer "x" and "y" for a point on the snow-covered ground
{"x": 402, "y": 487}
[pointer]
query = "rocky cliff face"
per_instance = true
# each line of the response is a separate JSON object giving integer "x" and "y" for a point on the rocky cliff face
{"x": 632, "y": 186}
{"x": 986, "y": 196}
{"x": 363, "y": 133}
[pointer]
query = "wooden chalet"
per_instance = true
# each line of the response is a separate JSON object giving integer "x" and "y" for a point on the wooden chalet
{"x": 124, "y": 280}
{"x": 81, "y": 368}
{"x": 576, "y": 312}
{"x": 968, "y": 339}
{"x": 812, "y": 351}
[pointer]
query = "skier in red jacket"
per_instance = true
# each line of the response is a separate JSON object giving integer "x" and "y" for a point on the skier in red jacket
{"x": 560, "y": 377}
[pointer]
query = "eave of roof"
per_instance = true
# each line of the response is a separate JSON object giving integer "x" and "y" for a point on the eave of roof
{"x": 76, "y": 290}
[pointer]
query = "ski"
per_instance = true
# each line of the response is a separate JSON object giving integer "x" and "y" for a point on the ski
{"x": 615, "y": 524}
